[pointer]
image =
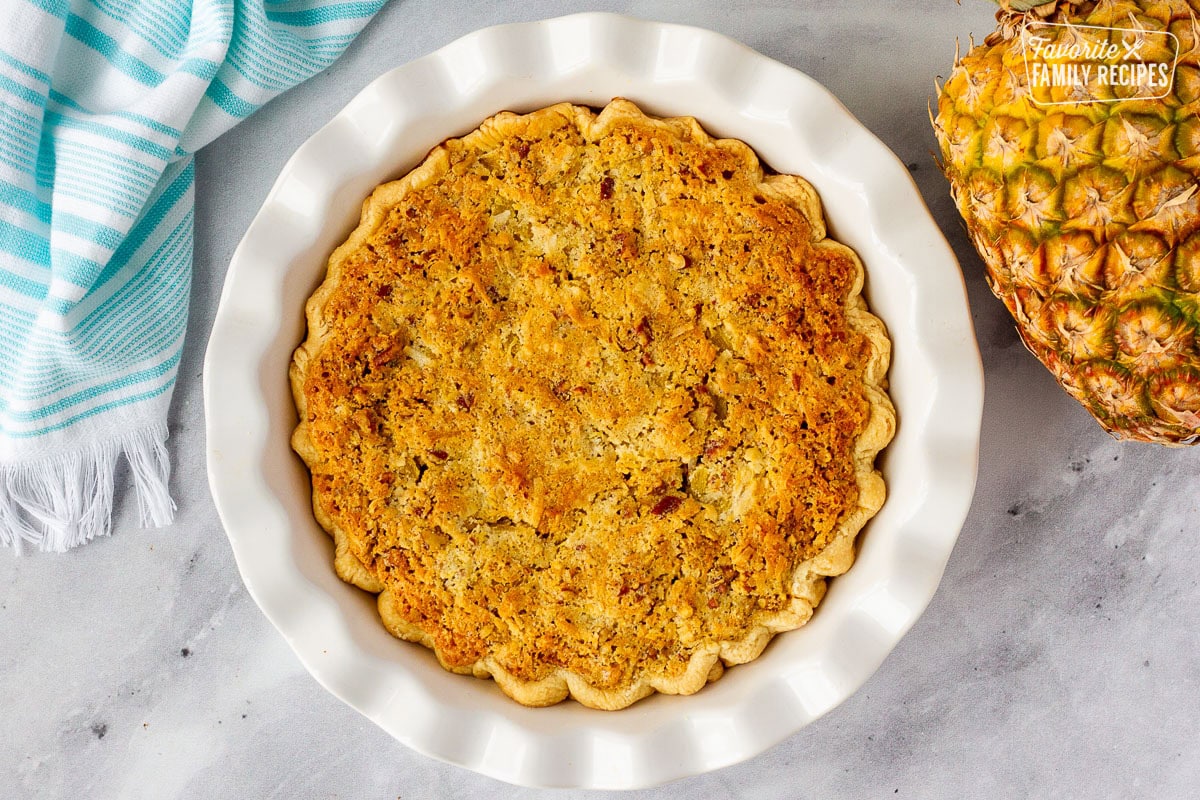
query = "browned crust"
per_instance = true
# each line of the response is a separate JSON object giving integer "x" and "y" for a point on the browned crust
{"x": 361, "y": 560}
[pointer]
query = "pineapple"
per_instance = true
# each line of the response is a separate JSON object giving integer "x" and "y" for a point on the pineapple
{"x": 1087, "y": 213}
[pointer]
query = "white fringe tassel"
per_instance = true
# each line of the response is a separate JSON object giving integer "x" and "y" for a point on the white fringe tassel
{"x": 59, "y": 503}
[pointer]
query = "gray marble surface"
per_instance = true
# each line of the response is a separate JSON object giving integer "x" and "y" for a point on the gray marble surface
{"x": 1058, "y": 659}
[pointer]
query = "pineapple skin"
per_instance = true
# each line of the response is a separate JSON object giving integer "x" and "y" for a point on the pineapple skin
{"x": 1087, "y": 217}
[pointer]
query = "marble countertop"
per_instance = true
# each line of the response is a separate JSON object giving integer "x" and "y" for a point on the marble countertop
{"x": 1059, "y": 658}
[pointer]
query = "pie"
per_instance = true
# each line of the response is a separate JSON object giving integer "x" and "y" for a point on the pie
{"x": 593, "y": 404}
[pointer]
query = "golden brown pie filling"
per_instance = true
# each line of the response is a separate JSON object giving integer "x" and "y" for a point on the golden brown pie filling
{"x": 592, "y": 404}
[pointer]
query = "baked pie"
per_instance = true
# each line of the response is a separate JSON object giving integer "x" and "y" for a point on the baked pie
{"x": 592, "y": 403}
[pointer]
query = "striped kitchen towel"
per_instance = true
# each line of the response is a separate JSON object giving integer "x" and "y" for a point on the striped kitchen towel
{"x": 102, "y": 106}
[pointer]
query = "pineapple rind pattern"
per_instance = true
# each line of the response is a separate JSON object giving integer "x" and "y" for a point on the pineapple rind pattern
{"x": 1087, "y": 216}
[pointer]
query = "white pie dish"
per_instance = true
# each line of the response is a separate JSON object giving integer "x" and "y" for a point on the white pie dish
{"x": 261, "y": 488}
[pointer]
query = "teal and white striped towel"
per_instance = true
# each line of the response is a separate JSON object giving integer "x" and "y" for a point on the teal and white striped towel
{"x": 102, "y": 105}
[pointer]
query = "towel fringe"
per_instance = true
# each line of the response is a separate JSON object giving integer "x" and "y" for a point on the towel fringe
{"x": 62, "y": 502}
